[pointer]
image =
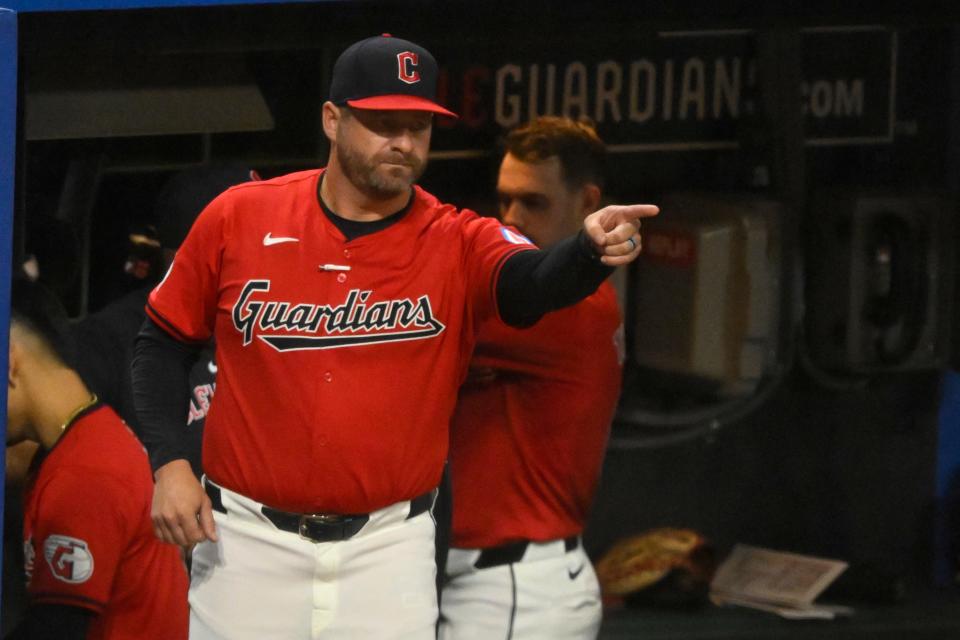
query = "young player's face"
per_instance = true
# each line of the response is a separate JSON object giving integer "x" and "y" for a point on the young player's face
{"x": 16, "y": 410}
{"x": 383, "y": 152}
{"x": 534, "y": 198}
{"x": 15, "y": 421}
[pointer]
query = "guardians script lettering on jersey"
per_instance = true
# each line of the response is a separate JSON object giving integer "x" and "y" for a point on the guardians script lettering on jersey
{"x": 353, "y": 323}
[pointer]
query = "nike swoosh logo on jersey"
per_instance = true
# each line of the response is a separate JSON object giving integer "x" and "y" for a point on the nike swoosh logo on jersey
{"x": 269, "y": 241}
{"x": 573, "y": 574}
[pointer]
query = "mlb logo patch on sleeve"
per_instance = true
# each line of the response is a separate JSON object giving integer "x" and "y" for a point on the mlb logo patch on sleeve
{"x": 512, "y": 236}
{"x": 69, "y": 558}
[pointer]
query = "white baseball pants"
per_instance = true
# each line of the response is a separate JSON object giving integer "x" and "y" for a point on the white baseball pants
{"x": 550, "y": 593}
{"x": 260, "y": 583}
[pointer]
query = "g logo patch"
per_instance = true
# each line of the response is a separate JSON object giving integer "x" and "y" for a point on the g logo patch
{"x": 69, "y": 558}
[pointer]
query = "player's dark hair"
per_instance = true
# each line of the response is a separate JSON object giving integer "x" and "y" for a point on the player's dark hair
{"x": 576, "y": 144}
{"x": 36, "y": 309}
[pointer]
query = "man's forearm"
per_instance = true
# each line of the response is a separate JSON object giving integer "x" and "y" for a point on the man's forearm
{"x": 533, "y": 283}
{"x": 161, "y": 388}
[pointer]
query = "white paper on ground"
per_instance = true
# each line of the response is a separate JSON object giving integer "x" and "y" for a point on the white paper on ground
{"x": 776, "y": 581}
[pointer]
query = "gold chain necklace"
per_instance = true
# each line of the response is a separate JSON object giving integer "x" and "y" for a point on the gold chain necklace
{"x": 73, "y": 415}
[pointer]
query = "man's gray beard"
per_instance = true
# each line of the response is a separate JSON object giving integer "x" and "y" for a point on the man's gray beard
{"x": 362, "y": 173}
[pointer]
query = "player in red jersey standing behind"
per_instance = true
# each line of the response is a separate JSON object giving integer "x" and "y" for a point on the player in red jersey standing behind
{"x": 94, "y": 567}
{"x": 532, "y": 420}
{"x": 530, "y": 429}
{"x": 344, "y": 303}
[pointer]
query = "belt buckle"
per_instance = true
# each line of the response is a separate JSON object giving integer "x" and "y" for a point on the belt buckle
{"x": 319, "y": 518}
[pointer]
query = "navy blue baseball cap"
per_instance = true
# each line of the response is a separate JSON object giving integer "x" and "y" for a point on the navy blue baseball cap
{"x": 386, "y": 73}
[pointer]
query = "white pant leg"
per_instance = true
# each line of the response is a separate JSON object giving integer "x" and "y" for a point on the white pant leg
{"x": 389, "y": 584}
{"x": 253, "y": 583}
{"x": 261, "y": 583}
{"x": 527, "y": 600}
{"x": 475, "y": 604}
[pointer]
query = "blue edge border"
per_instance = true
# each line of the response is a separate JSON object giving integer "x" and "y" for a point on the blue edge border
{"x": 8, "y": 157}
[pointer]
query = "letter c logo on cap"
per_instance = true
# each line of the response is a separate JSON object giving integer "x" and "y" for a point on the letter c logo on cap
{"x": 408, "y": 62}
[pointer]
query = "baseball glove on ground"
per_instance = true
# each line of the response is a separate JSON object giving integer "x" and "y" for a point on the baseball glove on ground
{"x": 662, "y": 566}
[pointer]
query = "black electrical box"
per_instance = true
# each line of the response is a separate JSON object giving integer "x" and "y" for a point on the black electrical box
{"x": 878, "y": 281}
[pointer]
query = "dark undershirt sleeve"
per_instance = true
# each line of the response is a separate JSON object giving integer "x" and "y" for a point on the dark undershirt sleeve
{"x": 532, "y": 283}
{"x": 52, "y": 622}
{"x": 161, "y": 392}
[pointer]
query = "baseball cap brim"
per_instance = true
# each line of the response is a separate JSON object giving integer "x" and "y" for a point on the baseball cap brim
{"x": 400, "y": 103}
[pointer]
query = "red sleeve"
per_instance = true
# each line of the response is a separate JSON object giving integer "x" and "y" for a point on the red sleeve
{"x": 489, "y": 244}
{"x": 80, "y": 534}
{"x": 185, "y": 301}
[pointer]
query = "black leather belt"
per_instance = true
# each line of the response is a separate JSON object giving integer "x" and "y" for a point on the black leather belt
{"x": 319, "y": 527}
{"x": 513, "y": 552}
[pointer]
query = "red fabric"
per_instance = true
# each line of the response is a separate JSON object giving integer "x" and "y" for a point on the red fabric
{"x": 350, "y": 427}
{"x": 526, "y": 448}
{"x": 88, "y": 538}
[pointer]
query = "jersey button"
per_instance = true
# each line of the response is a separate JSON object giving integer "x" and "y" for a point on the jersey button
{"x": 341, "y": 278}
{"x": 346, "y": 253}
{"x": 328, "y": 376}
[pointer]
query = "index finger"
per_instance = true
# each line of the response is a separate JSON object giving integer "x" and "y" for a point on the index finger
{"x": 638, "y": 211}
{"x": 622, "y": 211}
{"x": 599, "y": 223}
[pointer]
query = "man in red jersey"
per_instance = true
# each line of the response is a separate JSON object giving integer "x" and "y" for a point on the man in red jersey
{"x": 531, "y": 425}
{"x": 94, "y": 567}
{"x": 344, "y": 303}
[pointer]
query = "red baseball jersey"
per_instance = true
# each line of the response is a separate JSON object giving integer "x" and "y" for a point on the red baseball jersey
{"x": 88, "y": 537}
{"x": 526, "y": 446}
{"x": 338, "y": 361}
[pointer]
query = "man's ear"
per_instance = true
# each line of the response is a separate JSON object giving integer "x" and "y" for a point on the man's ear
{"x": 590, "y": 193}
{"x": 330, "y": 115}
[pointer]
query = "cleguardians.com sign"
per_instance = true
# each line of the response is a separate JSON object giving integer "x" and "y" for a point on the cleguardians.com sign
{"x": 679, "y": 90}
